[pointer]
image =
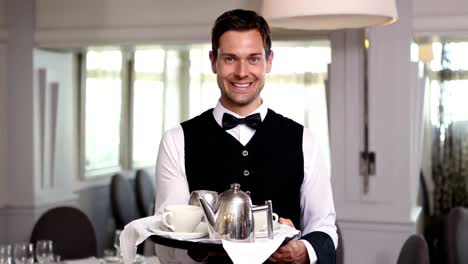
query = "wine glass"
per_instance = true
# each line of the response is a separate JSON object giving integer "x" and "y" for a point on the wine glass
{"x": 117, "y": 242}
{"x": 5, "y": 254}
{"x": 44, "y": 251}
{"x": 23, "y": 253}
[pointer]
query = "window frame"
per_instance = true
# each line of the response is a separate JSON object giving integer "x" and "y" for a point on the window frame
{"x": 126, "y": 119}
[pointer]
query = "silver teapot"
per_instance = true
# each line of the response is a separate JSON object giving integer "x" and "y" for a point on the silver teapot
{"x": 210, "y": 196}
{"x": 232, "y": 219}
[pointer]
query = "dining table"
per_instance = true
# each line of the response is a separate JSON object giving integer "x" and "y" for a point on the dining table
{"x": 95, "y": 260}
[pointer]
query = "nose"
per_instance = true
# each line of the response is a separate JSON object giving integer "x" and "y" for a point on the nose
{"x": 241, "y": 70}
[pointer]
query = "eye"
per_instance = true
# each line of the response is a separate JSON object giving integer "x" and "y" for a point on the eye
{"x": 254, "y": 59}
{"x": 228, "y": 59}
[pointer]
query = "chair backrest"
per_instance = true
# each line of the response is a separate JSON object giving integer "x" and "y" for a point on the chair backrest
{"x": 123, "y": 202}
{"x": 70, "y": 230}
{"x": 457, "y": 236}
{"x": 340, "y": 248}
{"x": 144, "y": 188}
{"x": 414, "y": 251}
{"x": 424, "y": 195}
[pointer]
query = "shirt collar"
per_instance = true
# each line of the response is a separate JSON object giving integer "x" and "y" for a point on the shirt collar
{"x": 219, "y": 111}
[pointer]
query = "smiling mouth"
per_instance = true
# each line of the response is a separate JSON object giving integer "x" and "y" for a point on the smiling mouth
{"x": 241, "y": 85}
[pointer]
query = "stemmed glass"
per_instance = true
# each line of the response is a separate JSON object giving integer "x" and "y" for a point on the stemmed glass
{"x": 23, "y": 253}
{"x": 5, "y": 254}
{"x": 44, "y": 251}
{"x": 117, "y": 242}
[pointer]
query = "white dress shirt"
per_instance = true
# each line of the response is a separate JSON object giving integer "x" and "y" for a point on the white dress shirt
{"x": 317, "y": 208}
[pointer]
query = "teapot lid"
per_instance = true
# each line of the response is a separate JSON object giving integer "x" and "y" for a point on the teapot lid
{"x": 234, "y": 193}
{"x": 235, "y": 187}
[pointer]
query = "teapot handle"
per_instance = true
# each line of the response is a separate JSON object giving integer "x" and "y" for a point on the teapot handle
{"x": 269, "y": 208}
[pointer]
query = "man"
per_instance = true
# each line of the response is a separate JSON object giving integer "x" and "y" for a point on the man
{"x": 271, "y": 156}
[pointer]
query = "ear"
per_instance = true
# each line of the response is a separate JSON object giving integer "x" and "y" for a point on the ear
{"x": 213, "y": 62}
{"x": 269, "y": 61}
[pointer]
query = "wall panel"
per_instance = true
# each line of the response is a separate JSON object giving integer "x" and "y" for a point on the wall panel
{"x": 68, "y": 23}
{"x": 3, "y": 130}
{"x": 445, "y": 18}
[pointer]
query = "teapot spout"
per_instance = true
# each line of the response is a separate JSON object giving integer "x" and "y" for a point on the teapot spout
{"x": 208, "y": 211}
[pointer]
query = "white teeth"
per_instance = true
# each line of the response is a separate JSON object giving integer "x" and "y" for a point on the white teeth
{"x": 242, "y": 85}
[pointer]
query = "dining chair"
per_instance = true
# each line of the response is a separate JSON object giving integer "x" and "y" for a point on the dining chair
{"x": 414, "y": 251}
{"x": 457, "y": 236}
{"x": 123, "y": 201}
{"x": 144, "y": 188}
{"x": 70, "y": 230}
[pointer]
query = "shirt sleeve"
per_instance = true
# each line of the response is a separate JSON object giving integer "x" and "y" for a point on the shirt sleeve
{"x": 317, "y": 207}
{"x": 171, "y": 181}
{"x": 171, "y": 186}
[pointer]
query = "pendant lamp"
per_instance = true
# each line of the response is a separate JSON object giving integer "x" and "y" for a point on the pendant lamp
{"x": 328, "y": 14}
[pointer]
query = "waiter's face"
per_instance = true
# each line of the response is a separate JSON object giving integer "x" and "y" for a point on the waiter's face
{"x": 240, "y": 66}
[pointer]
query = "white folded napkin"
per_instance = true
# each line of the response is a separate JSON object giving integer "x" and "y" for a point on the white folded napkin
{"x": 90, "y": 260}
{"x": 139, "y": 230}
{"x": 261, "y": 250}
{"x": 134, "y": 234}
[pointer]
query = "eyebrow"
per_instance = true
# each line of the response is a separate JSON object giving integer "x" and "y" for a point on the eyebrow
{"x": 228, "y": 54}
{"x": 234, "y": 55}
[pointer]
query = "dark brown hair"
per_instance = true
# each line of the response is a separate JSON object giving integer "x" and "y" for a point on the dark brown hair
{"x": 240, "y": 20}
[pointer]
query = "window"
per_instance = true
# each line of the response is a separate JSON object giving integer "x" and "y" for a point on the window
{"x": 449, "y": 82}
{"x": 132, "y": 96}
{"x": 148, "y": 105}
{"x": 103, "y": 95}
{"x": 447, "y": 131}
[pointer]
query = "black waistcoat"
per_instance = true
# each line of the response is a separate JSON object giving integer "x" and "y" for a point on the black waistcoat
{"x": 270, "y": 166}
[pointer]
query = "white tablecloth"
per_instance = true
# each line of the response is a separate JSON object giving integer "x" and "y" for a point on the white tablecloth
{"x": 94, "y": 260}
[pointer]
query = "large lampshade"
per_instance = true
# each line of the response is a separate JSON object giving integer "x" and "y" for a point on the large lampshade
{"x": 328, "y": 14}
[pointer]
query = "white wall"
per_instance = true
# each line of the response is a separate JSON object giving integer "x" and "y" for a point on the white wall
{"x": 55, "y": 144}
{"x": 3, "y": 31}
{"x": 20, "y": 121}
{"x": 388, "y": 212}
{"x": 3, "y": 144}
{"x": 56, "y": 126}
{"x": 21, "y": 144}
{"x": 446, "y": 18}
{"x": 65, "y": 23}
{"x": 3, "y": 122}
{"x": 3, "y": 129}
{"x": 440, "y": 8}
{"x": 390, "y": 196}
{"x": 2, "y": 13}
{"x": 30, "y": 116}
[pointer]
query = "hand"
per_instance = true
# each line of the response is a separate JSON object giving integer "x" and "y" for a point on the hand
{"x": 293, "y": 252}
{"x": 286, "y": 221}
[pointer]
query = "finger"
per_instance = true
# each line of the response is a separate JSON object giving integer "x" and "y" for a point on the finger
{"x": 283, "y": 254}
{"x": 277, "y": 260}
{"x": 277, "y": 256}
{"x": 294, "y": 252}
{"x": 285, "y": 221}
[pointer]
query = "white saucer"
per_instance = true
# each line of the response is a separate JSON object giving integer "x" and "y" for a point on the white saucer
{"x": 264, "y": 233}
{"x": 201, "y": 231}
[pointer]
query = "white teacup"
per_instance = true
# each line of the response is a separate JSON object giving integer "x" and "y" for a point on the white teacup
{"x": 260, "y": 219}
{"x": 182, "y": 218}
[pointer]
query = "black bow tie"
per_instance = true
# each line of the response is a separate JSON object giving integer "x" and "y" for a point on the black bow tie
{"x": 252, "y": 121}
